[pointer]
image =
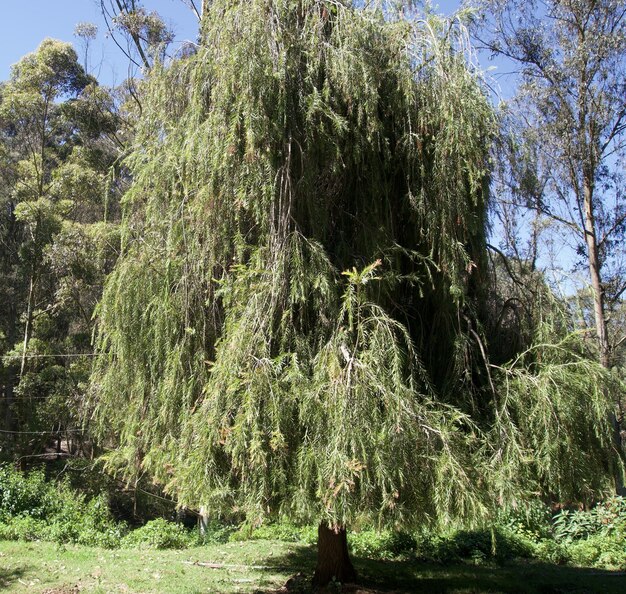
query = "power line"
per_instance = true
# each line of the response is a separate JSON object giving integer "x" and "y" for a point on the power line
{"x": 51, "y": 356}
{"x": 8, "y": 432}
{"x": 25, "y": 399}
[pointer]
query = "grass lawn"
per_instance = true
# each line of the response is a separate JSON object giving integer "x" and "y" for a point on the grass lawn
{"x": 264, "y": 566}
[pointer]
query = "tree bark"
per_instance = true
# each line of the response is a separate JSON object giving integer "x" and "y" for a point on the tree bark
{"x": 29, "y": 322}
{"x": 203, "y": 520}
{"x": 333, "y": 559}
{"x": 600, "y": 316}
{"x": 596, "y": 278}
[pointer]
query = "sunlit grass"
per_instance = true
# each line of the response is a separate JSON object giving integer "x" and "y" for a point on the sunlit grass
{"x": 263, "y": 566}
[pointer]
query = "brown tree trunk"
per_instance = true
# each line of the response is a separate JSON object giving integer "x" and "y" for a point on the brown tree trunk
{"x": 596, "y": 278}
{"x": 600, "y": 317}
{"x": 333, "y": 560}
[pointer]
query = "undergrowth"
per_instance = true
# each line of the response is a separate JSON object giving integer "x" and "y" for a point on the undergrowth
{"x": 33, "y": 508}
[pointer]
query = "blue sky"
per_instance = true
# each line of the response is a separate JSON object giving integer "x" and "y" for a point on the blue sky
{"x": 25, "y": 23}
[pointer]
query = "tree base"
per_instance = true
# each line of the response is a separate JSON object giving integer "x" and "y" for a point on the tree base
{"x": 333, "y": 560}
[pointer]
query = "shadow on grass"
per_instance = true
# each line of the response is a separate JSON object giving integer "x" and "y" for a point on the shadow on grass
{"x": 516, "y": 577}
{"x": 10, "y": 575}
{"x": 400, "y": 577}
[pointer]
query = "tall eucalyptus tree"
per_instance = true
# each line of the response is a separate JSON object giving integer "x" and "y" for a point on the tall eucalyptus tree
{"x": 572, "y": 123}
{"x": 56, "y": 147}
{"x": 571, "y": 136}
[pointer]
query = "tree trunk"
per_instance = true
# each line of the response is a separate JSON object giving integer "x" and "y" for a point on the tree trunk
{"x": 29, "y": 322}
{"x": 600, "y": 317}
{"x": 203, "y": 520}
{"x": 596, "y": 279}
{"x": 333, "y": 560}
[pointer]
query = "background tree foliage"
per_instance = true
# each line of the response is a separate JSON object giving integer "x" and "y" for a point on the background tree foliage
{"x": 567, "y": 136}
{"x": 567, "y": 141}
{"x": 57, "y": 131}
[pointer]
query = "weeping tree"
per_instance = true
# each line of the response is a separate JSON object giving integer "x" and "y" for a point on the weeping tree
{"x": 293, "y": 327}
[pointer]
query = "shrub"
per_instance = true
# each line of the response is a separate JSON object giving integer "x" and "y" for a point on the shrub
{"x": 382, "y": 545}
{"x": 23, "y": 528}
{"x": 284, "y": 531}
{"x": 610, "y": 515}
{"x": 607, "y": 518}
{"x": 434, "y": 547}
{"x": 532, "y": 520}
{"x": 606, "y": 552}
{"x": 25, "y": 494}
{"x": 476, "y": 546}
{"x": 550, "y": 551}
{"x": 161, "y": 534}
{"x": 574, "y": 525}
{"x": 32, "y": 508}
{"x": 216, "y": 533}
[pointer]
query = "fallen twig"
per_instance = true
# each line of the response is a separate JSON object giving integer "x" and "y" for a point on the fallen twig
{"x": 214, "y": 565}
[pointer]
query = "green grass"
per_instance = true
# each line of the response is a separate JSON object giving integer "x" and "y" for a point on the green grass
{"x": 35, "y": 567}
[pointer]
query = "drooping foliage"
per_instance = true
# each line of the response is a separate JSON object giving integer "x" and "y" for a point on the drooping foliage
{"x": 553, "y": 416}
{"x": 294, "y": 322}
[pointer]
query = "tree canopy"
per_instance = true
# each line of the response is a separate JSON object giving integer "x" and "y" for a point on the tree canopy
{"x": 295, "y": 322}
{"x": 569, "y": 131}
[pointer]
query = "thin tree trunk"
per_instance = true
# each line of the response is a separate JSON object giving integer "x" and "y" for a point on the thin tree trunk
{"x": 333, "y": 559}
{"x": 203, "y": 520}
{"x": 29, "y": 322}
{"x": 600, "y": 318}
{"x": 596, "y": 280}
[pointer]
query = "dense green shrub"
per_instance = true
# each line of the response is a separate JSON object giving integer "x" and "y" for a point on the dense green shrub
{"x": 382, "y": 545}
{"x": 161, "y": 534}
{"x": 591, "y": 538}
{"x": 606, "y": 552}
{"x": 136, "y": 506}
{"x": 29, "y": 495}
{"x": 532, "y": 520}
{"x": 22, "y": 528}
{"x": 33, "y": 508}
{"x": 551, "y": 551}
{"x": 284, "y": 531}
{"x": 475, "y": 546}
{"x": 574, "y": 525}
{"x": 217, "y": 532}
